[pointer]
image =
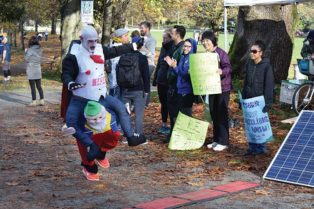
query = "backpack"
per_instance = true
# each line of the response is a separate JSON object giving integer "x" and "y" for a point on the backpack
{"x": 128, "y": 72}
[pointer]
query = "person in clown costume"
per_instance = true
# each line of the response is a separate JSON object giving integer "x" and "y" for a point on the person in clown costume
{"x": 101, "y": 126}
{"x": 83, "y": 74}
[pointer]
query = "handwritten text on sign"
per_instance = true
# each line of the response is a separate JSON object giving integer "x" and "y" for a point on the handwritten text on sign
{"x": 257, "y": 125}
{"x": 204, "y": 76}
{"x": 188, "y": 133}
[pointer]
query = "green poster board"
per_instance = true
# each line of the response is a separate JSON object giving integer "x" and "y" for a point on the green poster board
{"x": 188, "y": 133}
{"x": 203, "y": 72}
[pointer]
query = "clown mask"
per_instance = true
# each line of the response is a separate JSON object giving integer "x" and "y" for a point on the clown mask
{"x": 89, "y": 38}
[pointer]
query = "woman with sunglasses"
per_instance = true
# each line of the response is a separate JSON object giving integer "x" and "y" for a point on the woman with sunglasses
{"x": 258, "y": 81}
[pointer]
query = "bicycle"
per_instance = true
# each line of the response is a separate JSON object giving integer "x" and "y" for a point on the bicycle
{"x": 303, "y": 96}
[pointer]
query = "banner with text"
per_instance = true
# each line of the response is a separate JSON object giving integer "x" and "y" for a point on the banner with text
{"x": 204, "y": 76}
{"x": 257, "y": 124}
{"x": 188, "y": 133}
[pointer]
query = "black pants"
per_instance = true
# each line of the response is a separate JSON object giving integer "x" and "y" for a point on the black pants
{"x": 173, "y": 105}
{"x": 6, "y": 73}
{"x": 218, "y": 105}
{"x": 162, "y": 94}
{"x": 186, "y": 103}
{"x": 36, "y": 82}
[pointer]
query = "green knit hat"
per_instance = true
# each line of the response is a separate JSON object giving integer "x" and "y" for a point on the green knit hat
{"x": 92, "y": 109}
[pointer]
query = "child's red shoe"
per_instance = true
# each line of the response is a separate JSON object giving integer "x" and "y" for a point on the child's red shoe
{"x": 91, "y": 176}
{"x": 103, "y": 163}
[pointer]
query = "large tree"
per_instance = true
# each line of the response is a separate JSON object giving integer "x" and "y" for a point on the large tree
{"x": 70, "y": 22}
{"x": 272, "y": 24}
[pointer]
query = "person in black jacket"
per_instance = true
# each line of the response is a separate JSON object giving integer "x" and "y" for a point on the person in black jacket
{"x": 258, "y": 81}
{"x": 160, "y": 79}
{"x": 83, "y": 74}
{"x": 136, "y": 94}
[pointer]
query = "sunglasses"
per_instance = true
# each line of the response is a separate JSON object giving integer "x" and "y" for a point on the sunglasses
{"x": 254, "y": 51}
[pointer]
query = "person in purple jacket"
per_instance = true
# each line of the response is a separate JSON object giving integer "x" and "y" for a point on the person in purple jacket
{"x": 184, "y": 85}
{"x": 218, "y": 103}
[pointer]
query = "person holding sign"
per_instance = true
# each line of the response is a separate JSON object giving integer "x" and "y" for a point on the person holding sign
{"x": 185, "y": 92}
{"x": 218, "y": 103}
{"x": 258, "y": 81}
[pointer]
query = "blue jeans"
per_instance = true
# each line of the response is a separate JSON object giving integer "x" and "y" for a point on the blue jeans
{"x": 257, "y": 148}
{"x": 115, "y": 92}
{"x": 75, "y": 116}
{"x": 138, "y": 99}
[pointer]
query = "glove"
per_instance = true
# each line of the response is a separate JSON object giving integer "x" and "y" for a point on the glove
{"x": 265, "y": 109}
{"x": 140, "y": 43}
{"x": 94, "y": 152}
{"x": 74, "y": 86}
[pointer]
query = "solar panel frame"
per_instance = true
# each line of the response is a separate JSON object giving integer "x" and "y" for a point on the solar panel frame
{"x": 300, "y": 163}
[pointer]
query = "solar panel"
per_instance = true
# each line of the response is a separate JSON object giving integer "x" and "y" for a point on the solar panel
{"x": 294, "y": 161}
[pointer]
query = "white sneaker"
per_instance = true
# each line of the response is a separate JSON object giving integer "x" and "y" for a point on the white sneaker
{"x": 220, "y": 147}
{"x": 33, "y": 103}
{"x": 9, "y": 77}
{"x": 41, "y": 102}
{"x": 212, "y": 145}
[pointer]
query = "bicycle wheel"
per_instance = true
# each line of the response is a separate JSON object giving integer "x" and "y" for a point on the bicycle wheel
{"x": 302, "y": 98}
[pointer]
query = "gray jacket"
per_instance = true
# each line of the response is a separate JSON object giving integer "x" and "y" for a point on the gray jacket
{"x": 33, "y": 58}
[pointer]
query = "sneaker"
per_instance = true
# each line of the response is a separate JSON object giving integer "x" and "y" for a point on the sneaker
{"x": 33, "y": 103}
{"x": 103, "y": 163}
{"x": 8, "y": 78}
{"x": 41, "y": 102}
{"x": 137, "y": 139}
{"x": 220, "y": 147}
{"x": 164, "y": 130}
{"x": 67, "y": 131}
{"x": 212, "y": 145}
{"x": 90, "y": 176}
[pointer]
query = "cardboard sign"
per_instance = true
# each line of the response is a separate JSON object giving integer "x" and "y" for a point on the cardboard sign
{"x": 188, "y": 133}
{"x": 204, "y": 76}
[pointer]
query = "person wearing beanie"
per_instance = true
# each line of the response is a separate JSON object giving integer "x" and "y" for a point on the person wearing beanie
{"x": 119, "y": 37}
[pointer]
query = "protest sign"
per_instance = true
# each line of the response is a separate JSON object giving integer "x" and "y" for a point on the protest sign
{"x": 204, "y": 76}
{"x": 188, "y": 133}
{"x": 257, "y": 125}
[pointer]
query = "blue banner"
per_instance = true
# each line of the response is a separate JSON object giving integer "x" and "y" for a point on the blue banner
{"x": 257, "y": 125}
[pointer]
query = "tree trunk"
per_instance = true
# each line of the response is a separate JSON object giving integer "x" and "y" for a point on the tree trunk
{"x": 21, "y": 31}
{"x": 14, "y": 38}
{"x": 36, "y": 26}
{"x": 53, "y": 26}
{"x": 70, "y": 24}
{"x": 106, "y": 24}
{"x": 271, "y": 24}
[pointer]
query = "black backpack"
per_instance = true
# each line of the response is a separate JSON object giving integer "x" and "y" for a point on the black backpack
{"x": 128, "y": 72}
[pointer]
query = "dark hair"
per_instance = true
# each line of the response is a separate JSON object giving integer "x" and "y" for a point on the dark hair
{"x": 135, "y": 33}
{"x": 260, "y": 44}
{"x": 180, "y": 30}
{"x": 211, "y": 36}
{"x": 33, "y": 41}
{"x": 146, "y": 24}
